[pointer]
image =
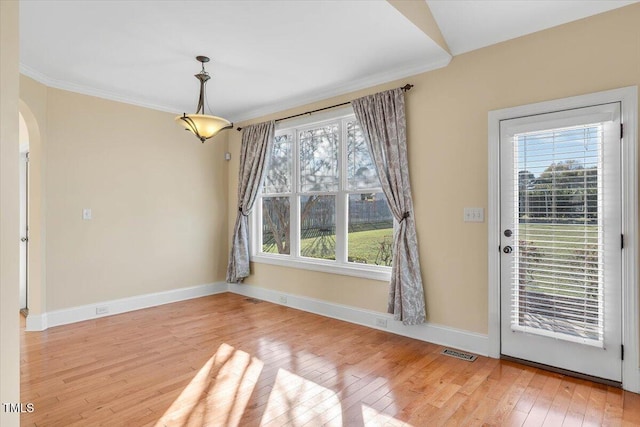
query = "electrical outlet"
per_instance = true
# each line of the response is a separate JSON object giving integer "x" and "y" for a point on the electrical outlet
{"x": 381, "y": 323}
{"x": 102, "y": 310}
{"x": 283, "y": 299}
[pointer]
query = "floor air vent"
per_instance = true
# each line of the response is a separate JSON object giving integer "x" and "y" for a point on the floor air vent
{"x": 253, "y": 300}
{"x": 459, "y": 355}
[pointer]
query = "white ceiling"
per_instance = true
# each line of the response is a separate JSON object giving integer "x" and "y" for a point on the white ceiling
{"x": 470, "y": 25}
{"x": 266, "y": 55}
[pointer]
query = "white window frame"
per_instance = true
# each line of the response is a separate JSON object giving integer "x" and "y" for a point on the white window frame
{"x": 628, "y": 97}
{"x": 340, "y": 265}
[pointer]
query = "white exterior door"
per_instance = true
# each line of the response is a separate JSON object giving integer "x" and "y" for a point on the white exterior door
{"x": 560, "y": 214}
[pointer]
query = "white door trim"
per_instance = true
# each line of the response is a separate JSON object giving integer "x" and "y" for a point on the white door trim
{"x": 628, "y": 96}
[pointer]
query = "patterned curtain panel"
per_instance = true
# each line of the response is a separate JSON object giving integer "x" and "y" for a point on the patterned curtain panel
{"x": 382, "y": 120}
{"x": 256, "y": 143}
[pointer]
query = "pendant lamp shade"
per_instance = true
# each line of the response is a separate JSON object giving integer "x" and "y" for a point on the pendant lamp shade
{"x": 202, "y": 125}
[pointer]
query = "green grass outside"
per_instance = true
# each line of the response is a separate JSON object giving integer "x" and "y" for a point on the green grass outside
{"x": 569, "y": 248}
{"x": 364, "y": 246}
{"x": 572, "y": 234}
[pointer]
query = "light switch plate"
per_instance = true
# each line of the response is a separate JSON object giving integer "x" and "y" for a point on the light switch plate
{"x": 473, "y": 214}
{"x": 86, "y": 213}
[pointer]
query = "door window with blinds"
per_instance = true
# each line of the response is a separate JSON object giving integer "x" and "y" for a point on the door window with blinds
{"x": 561, "y": 224}
{"x": 559, "y": 246}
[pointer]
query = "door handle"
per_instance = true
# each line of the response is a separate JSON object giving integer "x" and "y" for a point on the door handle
{"x": 24, "y": 239}
{"x": 507, "y": 249}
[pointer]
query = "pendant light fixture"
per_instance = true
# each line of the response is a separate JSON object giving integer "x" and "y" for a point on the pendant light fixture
{"x": 200, "y": 124}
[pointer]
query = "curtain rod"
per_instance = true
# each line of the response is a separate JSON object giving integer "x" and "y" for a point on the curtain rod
{"x": 405, "y": 88}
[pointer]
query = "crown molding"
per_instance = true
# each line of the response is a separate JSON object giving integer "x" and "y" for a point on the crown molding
{"x": 85, "y": 90}
{"x": 297, "y": 101}
{"x": 352, "y": 86}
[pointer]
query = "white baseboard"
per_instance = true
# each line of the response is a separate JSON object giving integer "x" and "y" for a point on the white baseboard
{"x": 36, "y": 322}
{"x": 437, "y": 334}
{"x": 40, "y": 322}
{"x": 632, "y": 382}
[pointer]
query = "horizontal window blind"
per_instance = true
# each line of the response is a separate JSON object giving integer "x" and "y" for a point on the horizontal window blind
{"x": 557, "y": 276}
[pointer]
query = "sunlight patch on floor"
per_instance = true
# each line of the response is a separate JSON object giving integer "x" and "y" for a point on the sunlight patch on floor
{"x": 372, "y": 417}
{"x": 296, "y": 401}
{"x": 218, "y": 394}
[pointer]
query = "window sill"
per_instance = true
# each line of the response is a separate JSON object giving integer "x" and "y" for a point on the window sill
{"x": 370, "y": 272}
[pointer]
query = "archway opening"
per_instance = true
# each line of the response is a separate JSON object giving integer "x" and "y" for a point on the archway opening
{"x": 23, "y": 137}
{"x": 30, "y": 138}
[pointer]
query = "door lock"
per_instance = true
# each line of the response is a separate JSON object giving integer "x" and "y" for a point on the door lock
{"x": 508, "y": 233}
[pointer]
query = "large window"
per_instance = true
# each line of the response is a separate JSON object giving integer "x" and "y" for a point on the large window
{"x": 321, "y": 206}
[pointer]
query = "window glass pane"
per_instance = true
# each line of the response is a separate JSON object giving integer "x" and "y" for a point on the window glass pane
{"x": 318, "y": 226}
{"x": 276, "y": 230}
{"x": 370, "y": 229}
{"x": 306, "y": 167}
{"x": 558, "y": 281}
{"x": 278, "y": 176}
{"x": 361, "y": 172}
{"x": 319, "y": 159}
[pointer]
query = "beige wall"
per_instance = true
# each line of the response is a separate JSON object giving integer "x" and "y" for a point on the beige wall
{"x": 9, "y": 225}
{"x": 157, "y": 196}
{"x": 447, "y": 132}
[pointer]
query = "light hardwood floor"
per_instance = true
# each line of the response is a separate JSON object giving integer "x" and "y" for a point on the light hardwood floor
{"x": 225, "y": 360}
